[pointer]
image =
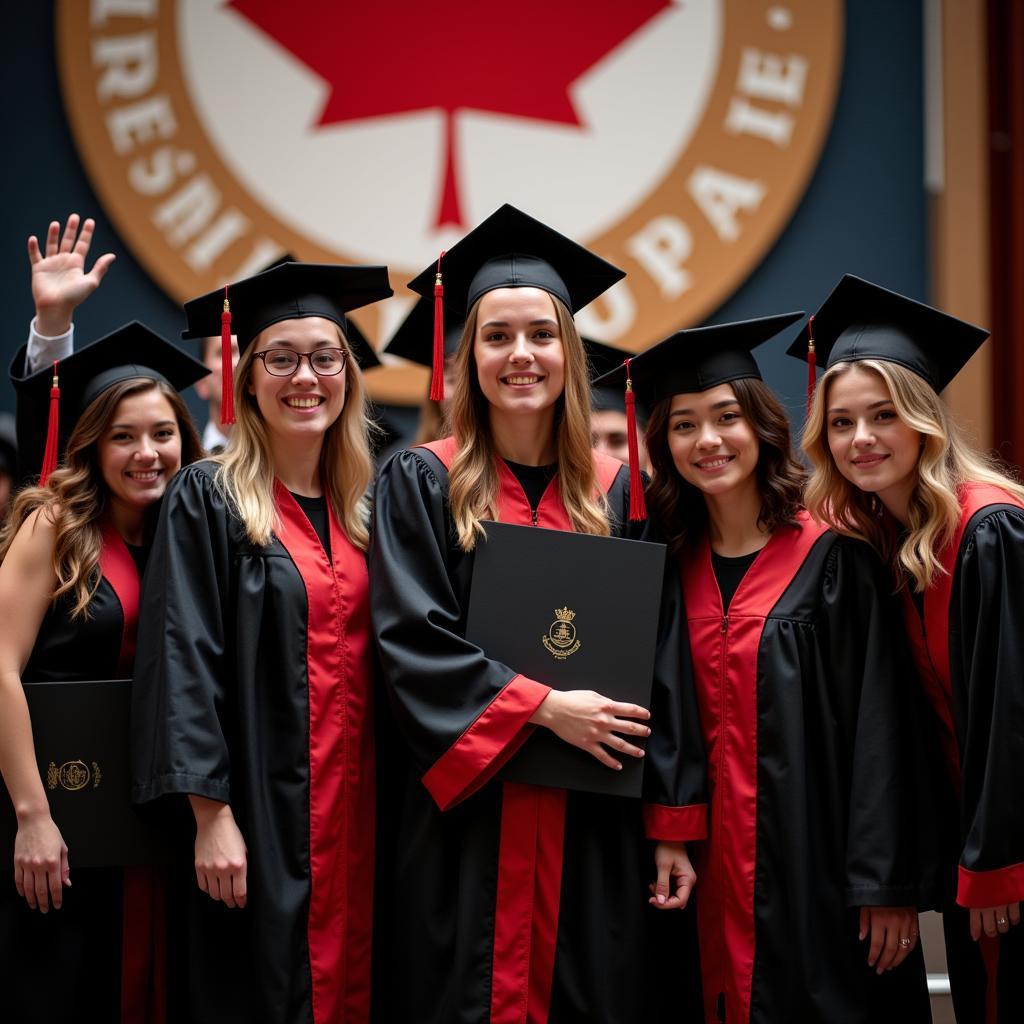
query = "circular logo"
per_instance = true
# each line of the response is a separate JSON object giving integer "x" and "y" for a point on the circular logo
{"x": 674, "y": 137}
{"x": 74, "y": 775}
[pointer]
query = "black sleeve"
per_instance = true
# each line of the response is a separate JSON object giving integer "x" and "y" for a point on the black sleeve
{"x": 181, "y": 671}
{"x": 987, "y": 653}
{"x": 675, "y": 768}
{"x": 462, "y": 714}
{"x": 865, "y": 649}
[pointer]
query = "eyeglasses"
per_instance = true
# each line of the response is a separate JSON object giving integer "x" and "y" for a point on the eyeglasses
{"x": 283, "y": 362}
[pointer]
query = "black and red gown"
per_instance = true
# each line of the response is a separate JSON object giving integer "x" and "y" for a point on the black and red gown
{"x": 803, "y": 687}
{"x": 102, "y": 953}
{"x": 503, "y": 902}
{"x": 968, "y": 645}
{"x": 253, "y": 688}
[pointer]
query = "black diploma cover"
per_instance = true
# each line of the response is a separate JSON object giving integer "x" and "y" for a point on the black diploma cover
{"x": 575, "y": 612}
{"x": 81, "y": 736}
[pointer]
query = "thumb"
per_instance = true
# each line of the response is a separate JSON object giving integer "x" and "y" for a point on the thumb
{"x": 661, "y": 889}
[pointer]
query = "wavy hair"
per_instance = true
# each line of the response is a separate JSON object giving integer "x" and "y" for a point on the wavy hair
{"x": 473, "y": 478}
{"x": 245, "y": 471}
{"x": 679, "y": 509}
{"x": 947, "y": 461}
{"x": 75, "y": 495}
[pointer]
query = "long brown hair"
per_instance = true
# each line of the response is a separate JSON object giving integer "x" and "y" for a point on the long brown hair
{"x": 246, "y": 471}
{"x": 75, "y": 495}
{"x": 473, "y": 478}
{"x": 679, "y": 509}
{"x": 947, "y": 462}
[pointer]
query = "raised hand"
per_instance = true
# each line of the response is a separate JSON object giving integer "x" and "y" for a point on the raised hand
{"x": 59, "y": 280}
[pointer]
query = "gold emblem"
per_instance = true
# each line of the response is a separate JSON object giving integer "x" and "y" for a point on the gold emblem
{"x": 560, "y": 640}
{"x": 74, "y": 775}
{"x": 52, "y": 776}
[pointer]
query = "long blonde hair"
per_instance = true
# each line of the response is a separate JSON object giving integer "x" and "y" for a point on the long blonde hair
{"x": 245, "y": 473}
{"x": 947, "y": 462}
{"x": 473, "y": 478}
{"x": 74, "y": 498}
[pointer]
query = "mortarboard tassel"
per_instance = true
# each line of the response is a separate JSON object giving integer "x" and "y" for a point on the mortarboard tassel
{"x": 812, "y": 363}
{"x": 52, "y": 431}
{"x": 227, "y": 398}
{"x": 437, "y": 374}
{"x": 637, "y": 505}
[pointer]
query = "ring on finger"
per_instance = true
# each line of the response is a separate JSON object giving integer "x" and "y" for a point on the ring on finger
{"x": 1001, "y": 921}
{"x": 905, "y": 943}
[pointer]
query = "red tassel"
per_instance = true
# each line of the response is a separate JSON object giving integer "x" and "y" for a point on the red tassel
{"x": 812, "y": 363}
{"x": 637, "y": 504}
{"x": 227, "y": 376}
{"x": 437, "y": 374}
{"x": 52, "y": 431}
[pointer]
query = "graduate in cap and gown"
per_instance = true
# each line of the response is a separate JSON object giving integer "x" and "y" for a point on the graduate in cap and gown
{"x": 72, "y": 557}
{"x": 254, "y": 662}
{"x": 808, "y": 880}
{"x": 892, "y": 467}
{"x": 497, "y": 901}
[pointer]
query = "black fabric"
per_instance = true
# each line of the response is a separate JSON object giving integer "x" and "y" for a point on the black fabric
{"x": 986, "y": 648}
{"x": 434, "y": 931}
{"x": 534, "y": 480}
{"x": 510, "y": 249}
{"x": 729, "y": 573}
{"x": 221, "y": 667}
{"x": 80, "y": 944}
{"x": 414, "y": 339}
{"x": 315, "y": 510}
{"x": 862, "y": 320}
{"x": 697, "y": 359}
{"x": 290, "y": 291}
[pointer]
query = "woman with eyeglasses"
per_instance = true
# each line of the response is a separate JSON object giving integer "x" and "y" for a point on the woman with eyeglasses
{"x": 254, "y": 663}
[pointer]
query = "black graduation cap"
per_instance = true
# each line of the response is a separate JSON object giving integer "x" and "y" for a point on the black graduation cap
{"x": 861, "y": 320}
{"x": 509, "y": 250}
{"x": 414, "y": 338}
{"x": 697, "y": 359}
{"x": 287, "y": 291}
{"x": 55, "y": 397}
{"x": 690, "y": 360}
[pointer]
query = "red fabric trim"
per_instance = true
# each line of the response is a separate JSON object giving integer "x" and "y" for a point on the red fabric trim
{"x": 676, "y": 824}
{"x": 497, "y": 733}
{"x": 144, "y": 946}
{"x": 118, "y": 568}
{"x": 341, "y": 762}
{"x": 725, "y": 673}
{"x": 526, "y": 911}
{"x": 981, "y": 889}
{"x": 444, "y": 448}
{"x": 989, "y": 946}
{"x": 143, "y": 924}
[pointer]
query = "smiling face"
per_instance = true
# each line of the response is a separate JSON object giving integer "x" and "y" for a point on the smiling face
{"x": 140, "y": 450}
{"x": 712, "y": 443}
{"x": 517, "y": 347}
{"x": 873, "y": 448}
{"x": 304, "y": 404}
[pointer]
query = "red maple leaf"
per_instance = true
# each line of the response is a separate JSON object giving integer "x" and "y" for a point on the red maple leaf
{"x": 382, "y": 57}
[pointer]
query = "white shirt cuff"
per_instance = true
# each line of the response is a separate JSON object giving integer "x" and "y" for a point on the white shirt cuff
{"x": 41, "y": 350}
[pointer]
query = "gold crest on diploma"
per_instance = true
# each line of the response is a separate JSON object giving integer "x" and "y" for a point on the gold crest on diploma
{"x": 73, "y": 775}
{"x": 561, "y": 640}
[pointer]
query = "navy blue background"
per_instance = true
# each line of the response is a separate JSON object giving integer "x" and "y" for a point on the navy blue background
{"x": 864, "y": 212}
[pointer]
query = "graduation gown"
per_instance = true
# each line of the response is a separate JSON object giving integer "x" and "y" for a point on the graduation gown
{"x": 106, "y": 943}
{"x": 969, "y": 651}
{"x": 254, "y": 689}
{"x": 503, "y": 902}
{"x": 801, "y": 693}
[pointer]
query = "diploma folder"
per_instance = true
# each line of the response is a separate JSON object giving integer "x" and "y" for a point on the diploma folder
{"x": 81, "y": 733}
{"x": 576, "y": 612}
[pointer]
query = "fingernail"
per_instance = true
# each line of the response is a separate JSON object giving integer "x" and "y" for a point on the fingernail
{"x": 661, "y": 899}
